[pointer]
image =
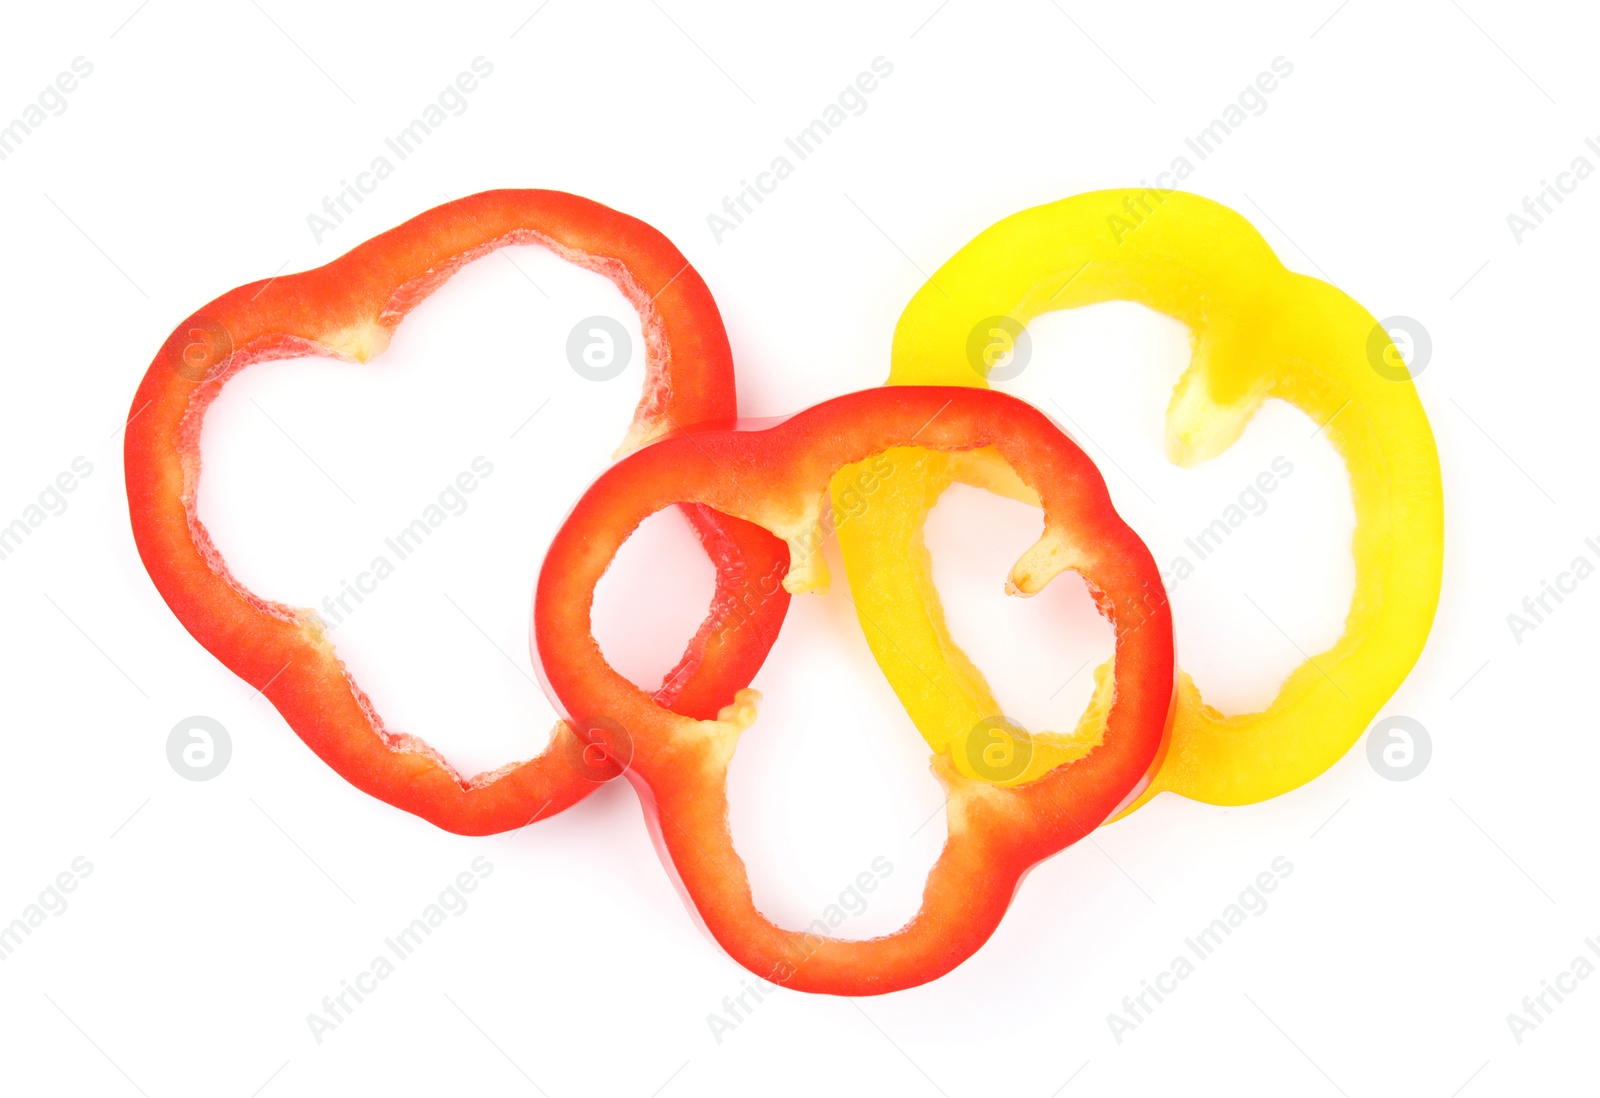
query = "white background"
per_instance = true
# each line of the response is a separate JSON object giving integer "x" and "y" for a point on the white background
{"x": 219, "y": 914}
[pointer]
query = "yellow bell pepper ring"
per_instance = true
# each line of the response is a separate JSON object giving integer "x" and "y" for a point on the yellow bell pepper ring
{"x": 1257, "y": 330}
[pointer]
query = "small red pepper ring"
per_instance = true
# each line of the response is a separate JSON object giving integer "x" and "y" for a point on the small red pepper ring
{"x": 778, "y": 478}
{"x": 348, "y": 309}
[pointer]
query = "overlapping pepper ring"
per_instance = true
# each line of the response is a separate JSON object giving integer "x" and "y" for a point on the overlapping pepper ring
{"x": 348, "y": 309}
{"x": 1014, "y": 797}
{"x": 1258, "y": 331}
{"x": 778, "y": 479}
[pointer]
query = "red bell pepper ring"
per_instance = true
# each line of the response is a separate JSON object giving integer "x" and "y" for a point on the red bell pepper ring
{"x": 778, "y": 478}
{"x": 348, "y": 309}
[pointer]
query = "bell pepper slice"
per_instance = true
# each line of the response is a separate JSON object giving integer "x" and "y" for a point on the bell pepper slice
{"x": 1258, "y": 331}
{"x": 348, "y": 309}
{"x": 778, "y": 478}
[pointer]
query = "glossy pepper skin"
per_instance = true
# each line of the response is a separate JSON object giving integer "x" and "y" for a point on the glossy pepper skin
{"x": 348, "y": 309}
{"x": 778, "y": 478}
{"x": 1258, "y": 331}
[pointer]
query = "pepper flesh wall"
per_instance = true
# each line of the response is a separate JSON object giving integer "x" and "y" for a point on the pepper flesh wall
{"x": 349, "y": 308}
